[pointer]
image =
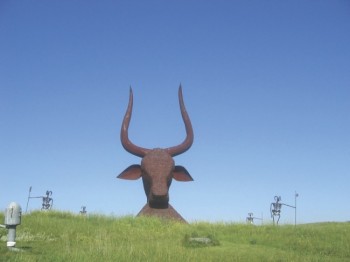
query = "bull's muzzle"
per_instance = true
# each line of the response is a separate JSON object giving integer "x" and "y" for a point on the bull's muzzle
{"x": 159, "y": 201}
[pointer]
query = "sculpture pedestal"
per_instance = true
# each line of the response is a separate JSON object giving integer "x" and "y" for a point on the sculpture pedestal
{"x": 166, "y": 213}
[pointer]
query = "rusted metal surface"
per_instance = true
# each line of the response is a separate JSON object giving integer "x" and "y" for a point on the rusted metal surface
{"x": 157, "y": 167}
{"x": 167, "y": 213}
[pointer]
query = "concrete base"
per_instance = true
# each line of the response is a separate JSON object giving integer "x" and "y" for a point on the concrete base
{"x": 11, "y": 243}
{"x": 166, "y": 213}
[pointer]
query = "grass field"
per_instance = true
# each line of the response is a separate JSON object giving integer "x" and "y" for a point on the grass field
{"x": 61, "y": 236}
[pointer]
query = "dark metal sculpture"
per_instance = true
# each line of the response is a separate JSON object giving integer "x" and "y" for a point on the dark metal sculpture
{"x": 83, "y": 210}
{"x": 47, "y": 200}
{"x": 157, "y": 167}
{"x": 250, "y": 219}
{"x": 275, "y": 209}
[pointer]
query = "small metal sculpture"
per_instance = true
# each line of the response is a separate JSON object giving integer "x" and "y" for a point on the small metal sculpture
{"x": 47, "y": 200}
{"x": 275, "y": 208}
{"x": 157, "y": 167}
{"x": 83, "y": 210}
{"x": 250, "y": 218}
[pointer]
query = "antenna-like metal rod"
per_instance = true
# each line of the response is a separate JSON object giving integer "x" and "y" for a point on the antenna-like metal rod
{"x": 287, "y": 205}
{"x": 30, "y": 190}
{"x": 295, "y": 203}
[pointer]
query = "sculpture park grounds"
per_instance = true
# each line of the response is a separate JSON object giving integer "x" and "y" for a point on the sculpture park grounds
{"x": 62, "y": 236}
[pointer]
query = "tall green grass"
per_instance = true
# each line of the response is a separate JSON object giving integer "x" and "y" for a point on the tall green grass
{"x": 61, "y": 236}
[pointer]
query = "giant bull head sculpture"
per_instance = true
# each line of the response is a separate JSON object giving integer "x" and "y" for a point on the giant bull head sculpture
{"x": 157, "y": 167}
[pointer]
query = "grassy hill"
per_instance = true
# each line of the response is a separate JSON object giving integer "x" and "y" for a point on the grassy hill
{"x": 60, "y": 236}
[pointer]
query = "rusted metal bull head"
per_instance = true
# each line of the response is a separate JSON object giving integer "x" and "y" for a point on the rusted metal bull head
{"x": 157, "y": 167}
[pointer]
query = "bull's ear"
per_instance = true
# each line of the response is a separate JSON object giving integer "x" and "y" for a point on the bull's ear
{"x": 133, "y": 172}
{"x": 181, "y": 174}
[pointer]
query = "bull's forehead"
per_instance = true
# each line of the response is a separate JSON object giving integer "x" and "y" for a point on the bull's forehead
{"x": 157, "y": 161}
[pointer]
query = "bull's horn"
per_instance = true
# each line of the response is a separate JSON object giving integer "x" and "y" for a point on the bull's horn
{"x": 187, "y": 143}
{"x": 124, "y": 137}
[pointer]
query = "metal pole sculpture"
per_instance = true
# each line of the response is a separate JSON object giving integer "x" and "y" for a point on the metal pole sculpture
{"x": 30, "y": 190}
{"x": 157, "y": 167}
{"x": 295, "y": 208}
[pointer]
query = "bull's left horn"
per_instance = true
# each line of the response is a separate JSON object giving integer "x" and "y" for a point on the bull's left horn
{"x": 124, "y": 137}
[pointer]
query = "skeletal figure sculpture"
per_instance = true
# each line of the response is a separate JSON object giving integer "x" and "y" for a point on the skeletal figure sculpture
{"x": 157, "y": 167}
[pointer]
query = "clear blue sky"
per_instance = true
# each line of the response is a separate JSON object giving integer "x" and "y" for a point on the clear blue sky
{"x": 266, "y": 85}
